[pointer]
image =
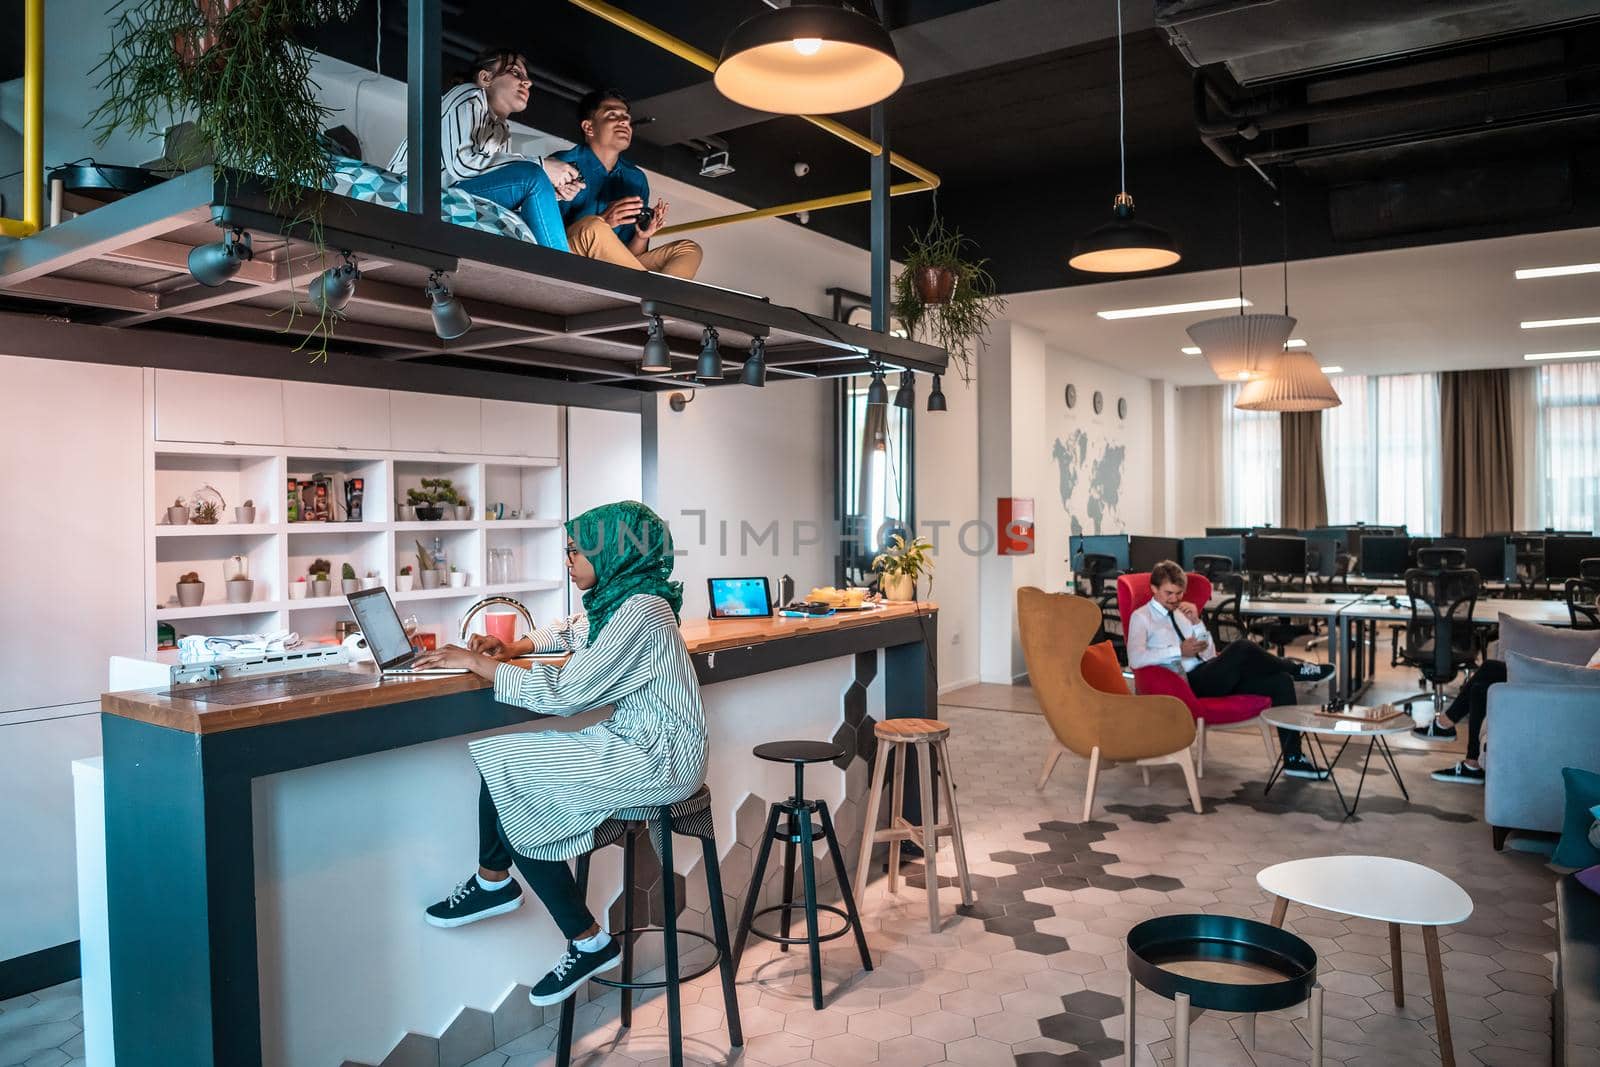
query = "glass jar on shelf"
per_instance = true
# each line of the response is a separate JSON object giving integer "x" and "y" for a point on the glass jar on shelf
{"x": 502, "y": 566}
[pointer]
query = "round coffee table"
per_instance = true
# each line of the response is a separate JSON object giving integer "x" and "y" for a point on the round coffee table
{"x": 1305, "y": 719}
{"x": 1397, "y": 892}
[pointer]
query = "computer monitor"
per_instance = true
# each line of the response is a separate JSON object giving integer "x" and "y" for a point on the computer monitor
{"x": 1385, "y": 557}
{"x": 1486, "y": 555}
{"x": 1322, "y": 555}
{"x": 1273, "y": 531}
{"x": 1113, "y": 545}
{"x": 1227, "y": 531}
{"x": 1231, "y": 547}
{"x": 1562, "y": 554}
{"x": 1275, "y": 555}
{"x": 1146, "y": 552}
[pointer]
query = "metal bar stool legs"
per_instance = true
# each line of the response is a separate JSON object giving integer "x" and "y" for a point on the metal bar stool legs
{"x": 628, "y": 827}
{"x": 799, "y": 840}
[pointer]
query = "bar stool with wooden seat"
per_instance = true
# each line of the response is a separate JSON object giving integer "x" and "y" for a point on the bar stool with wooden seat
{"x": 799, "y": 835}
{"x": 690, "y": 817}
{"x": 922, "y": 737}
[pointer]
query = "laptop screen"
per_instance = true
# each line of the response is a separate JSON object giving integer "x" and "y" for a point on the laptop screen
{"x": 380, "y": 625}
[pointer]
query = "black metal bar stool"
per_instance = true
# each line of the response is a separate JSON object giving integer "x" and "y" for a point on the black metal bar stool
{"x": 800, "y": 835}
{"x": 687, "y": 818}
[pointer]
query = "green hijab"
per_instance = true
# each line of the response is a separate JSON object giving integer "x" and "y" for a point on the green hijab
{"x": 631, "y": 551}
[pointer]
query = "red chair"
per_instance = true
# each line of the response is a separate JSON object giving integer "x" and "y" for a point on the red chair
{"x": 1133, "y": 591}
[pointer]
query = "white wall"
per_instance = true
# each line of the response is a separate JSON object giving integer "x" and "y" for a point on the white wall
{"x": 1023, "y": 414}
{"x": 948, "y": 499}
{"x": 748, "y": 459}
{"x": 1198, "y": 488}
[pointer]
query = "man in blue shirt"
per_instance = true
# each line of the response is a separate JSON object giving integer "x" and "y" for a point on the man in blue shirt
{"x": 607, "y": 218}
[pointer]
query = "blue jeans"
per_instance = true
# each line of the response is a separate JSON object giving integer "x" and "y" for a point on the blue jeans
{"x": 524, "y": 187}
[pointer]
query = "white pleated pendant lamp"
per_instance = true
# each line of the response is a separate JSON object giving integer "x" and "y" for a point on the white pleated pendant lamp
{"x": 1241, "y": 348}
{"x": 1294, "y": 382}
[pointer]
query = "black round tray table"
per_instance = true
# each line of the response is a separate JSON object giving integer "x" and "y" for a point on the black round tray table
{"x": 1222, "y": 963}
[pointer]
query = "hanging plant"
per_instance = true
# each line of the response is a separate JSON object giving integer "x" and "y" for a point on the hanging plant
{"x": 951, "y": 298}
{"x": 237, "y": 69}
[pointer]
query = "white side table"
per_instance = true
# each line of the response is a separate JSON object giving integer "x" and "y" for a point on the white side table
{"x": 1305, "y": 719}
{"x": 1397, "y": 892}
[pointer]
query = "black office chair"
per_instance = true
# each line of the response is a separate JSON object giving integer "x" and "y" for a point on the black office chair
{"x": 1583, "y": 596}
{"x": 1529, "y": 552}
{"x": 1102, "y": 573}
{"x": 1439, "y": 557}
{"x": 1210, "y": 567}
{"x": 1440, "y": 640}
{"x": 1223, "y": 620}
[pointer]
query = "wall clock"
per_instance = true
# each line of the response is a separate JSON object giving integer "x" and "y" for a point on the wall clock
{"x": 1072, "y": 396}
{"x": 1122, "y": 407}
{"x": 1099, "y": 402}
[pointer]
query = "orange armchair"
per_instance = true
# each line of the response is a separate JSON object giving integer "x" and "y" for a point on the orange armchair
{"x": 1146, "y": 730}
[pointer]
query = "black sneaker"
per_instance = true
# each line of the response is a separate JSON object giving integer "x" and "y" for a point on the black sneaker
{"x": 1313, "y": 672}
{"x": 1460, "y": 773}
{"x": 1300, "y": 767}
{"x": 468, "y": 902}
{"x": 574, "y": 968}
{"x": 1434, "y": 732}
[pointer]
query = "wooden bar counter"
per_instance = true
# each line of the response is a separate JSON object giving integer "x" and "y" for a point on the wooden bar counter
{"x": 266, "y": 862}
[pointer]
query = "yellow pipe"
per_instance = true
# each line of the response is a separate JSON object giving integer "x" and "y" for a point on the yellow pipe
{"x": 926, "y": 179}
{"x": 817, "y": 204}
{"x": 32, "y": 129}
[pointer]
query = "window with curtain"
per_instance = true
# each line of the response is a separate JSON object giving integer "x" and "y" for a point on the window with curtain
{"x": 1251, "y": 454}
{"x": 1569, "y": 445}
{"x": 1380, "y": 452}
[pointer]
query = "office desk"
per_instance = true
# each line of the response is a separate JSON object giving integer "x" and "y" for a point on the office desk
{"x": 1308, "y": 605}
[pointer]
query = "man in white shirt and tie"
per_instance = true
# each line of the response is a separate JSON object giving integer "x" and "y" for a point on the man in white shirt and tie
{"x": 1167, "y": 632}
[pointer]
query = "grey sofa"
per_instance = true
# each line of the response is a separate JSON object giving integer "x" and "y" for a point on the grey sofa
{"x": 1533, "y": 730}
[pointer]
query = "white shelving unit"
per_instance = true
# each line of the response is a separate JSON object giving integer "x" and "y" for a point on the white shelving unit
{"x": 280, "y": 552}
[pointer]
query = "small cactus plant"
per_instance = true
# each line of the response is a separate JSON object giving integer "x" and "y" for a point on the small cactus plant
{"x": 205, "y": 513}
{"x": 320, "y": 569}
{"x": 406, "y": 570}
{"x": 347, "y": 572}
{"x": 189, "y": 578}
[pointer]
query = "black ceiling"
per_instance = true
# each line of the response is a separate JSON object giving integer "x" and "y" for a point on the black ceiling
{"x": 1013, "y": 104}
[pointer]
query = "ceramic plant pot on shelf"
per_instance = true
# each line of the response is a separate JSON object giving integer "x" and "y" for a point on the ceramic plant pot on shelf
{"x": 178, "y": 515}
{"x": 322, "y": 587}
{"x": 458, "y": 580}
{"x": 402, "y": 582}
{"x": 244, "y": 516}
{"x": 349, "y": 585}
{"x": 240, "y": 590}
{"x": 430, "y": 579}
{"x": 190, "y": 594}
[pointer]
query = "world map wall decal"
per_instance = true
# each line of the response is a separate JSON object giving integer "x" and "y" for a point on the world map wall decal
{"x": 1090, "y": 475}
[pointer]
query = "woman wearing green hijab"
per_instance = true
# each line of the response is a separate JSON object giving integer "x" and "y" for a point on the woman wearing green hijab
{"x": 543, "y": 793}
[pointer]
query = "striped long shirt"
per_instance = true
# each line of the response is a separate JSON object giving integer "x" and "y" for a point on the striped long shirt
{"x": 552, "y": 789}
{"x": 474, "y": 140}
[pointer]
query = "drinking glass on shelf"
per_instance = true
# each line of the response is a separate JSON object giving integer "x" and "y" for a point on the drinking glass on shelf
{"x": 501, "y": 564}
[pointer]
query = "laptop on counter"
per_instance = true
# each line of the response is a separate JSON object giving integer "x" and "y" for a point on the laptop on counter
{"x": 386, "y": 635}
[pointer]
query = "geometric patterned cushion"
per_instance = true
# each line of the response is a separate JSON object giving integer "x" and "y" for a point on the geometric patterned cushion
{"x": 363, "y": 181}
{"x": 691, "y": 817}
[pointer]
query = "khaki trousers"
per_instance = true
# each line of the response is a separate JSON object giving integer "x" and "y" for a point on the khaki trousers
{"x": 591, "y": 237}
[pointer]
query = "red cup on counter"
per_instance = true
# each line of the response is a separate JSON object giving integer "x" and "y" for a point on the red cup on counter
{"x": 426, "y": 640}
{"x": 502, "y": 625}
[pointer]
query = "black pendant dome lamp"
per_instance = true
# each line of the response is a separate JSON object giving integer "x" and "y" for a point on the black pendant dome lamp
{"x": 809, "y": 59}
{"x": 1124, "y": 245}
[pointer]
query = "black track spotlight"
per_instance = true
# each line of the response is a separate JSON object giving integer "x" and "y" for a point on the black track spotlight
{"x": 906, "y": 396}
{"x": 450, "y": 319}
{"x": 877, "y": 392}
{"x": 710, "y": 366}
{"x": 936, "y": 398}
{"x": 215, "y": 263}
{"x": 332, "y": 289}
{"x": 755, "y": 366}
{"x": 657, "y": 356}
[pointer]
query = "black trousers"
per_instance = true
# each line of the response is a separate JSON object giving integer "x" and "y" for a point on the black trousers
{"x": 1246, "y": 667}
{"x": 1472, "y": 703}
{"x": 551, "y": 880}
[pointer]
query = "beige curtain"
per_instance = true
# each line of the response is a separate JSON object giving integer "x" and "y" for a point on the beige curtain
{"x": 1302, "y": 488}
{"x": 1478, "y": 458}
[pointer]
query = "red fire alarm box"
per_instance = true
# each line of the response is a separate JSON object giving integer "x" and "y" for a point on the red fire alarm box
{"x": 1015, "y": 524}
